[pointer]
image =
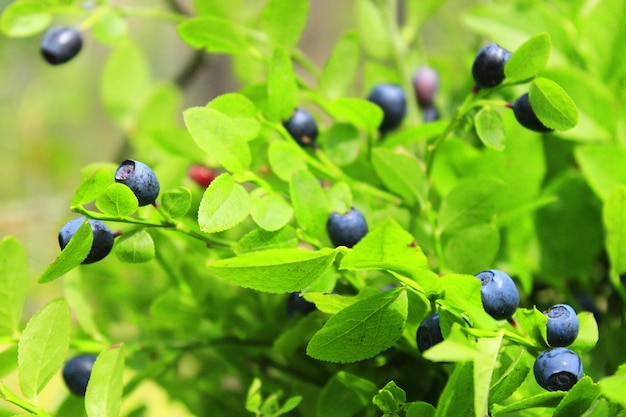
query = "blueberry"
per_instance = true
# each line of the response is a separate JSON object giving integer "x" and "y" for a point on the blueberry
{"x": 302, "y": 127}
{"x": 429, "y": 332}
{"x": 140, "y": 179}
{"x": 76, "y": 373}
{"x": 346, "y": 229}
{"x": 562, "y": 328}
{"x": 499, "y": 294}
{"x": 102, "y": 238}
{"x": 392, "y": 100}
{"x": 488, "y": 66}
{"x": 297, "y": 303}
{"x": 558, "y": 369}
{"x": 425, "y": 84}
{"x": 526, "y": 116}
{"x": 430, "y": 114}
{"x": 60, "y": 44}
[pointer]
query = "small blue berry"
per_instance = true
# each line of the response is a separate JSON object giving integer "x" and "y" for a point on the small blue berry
{"x": 60, "y": 44}
{"x": 562, "y": 327}
{"x": 526, "y": 116}
{"x": 558, "y": 369}
{"x": 392, "y": 100}
{"x": 499, "y": 294}
{"x": 488, "y": 66}
{"x": 76, "y": 373}
{"x": 346, "y": 229}
{"x": 429, "y": 332}
{"x": 103, "y": 238}
{"x": 302, "y": 127}
{"x": 140, "y": 178}
{"x": 297, "y": 303}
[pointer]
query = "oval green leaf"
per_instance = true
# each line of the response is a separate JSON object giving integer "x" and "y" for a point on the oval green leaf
{"x": 269, "y": 210}
{"x": 73, "y": 255}
{"x": 224, "y": 204}
{"x": 215, "y": 34}
{"x": 13, "y": 284}
{"x": 282, "y": 89}
{"x": 104, "y": 391}
{"x": 176, "y": 202}
{"x": 552, "y": 105}
{"x": 24, "y": 18}
{"x": 530, "y": 58}
{"x": 135, "y": 247}
{"x": 490, "y": 128}
{"x": 117, "y": 200}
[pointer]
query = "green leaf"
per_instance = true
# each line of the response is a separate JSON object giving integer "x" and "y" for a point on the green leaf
{"x": 419, "y": 408}
{"x": 284, "y": 20}
{"x": 602, "y": 166}
{"x": 218, "y": 135}
{"x": 342, "y": 143}
{"x": 345, "y": 395}
{"x": 402, "y": 174}
{"x": 373, "y": 29}
{"x": 125, "y": 83}
{"x": 455, "y": 347}
{"x": 484, "y": 366}
{"x": 534, "y": 324}
{"x": 135, "y": 247}
{"x": 490, "y": 128}
{"x": 254, "y": 398}
{"x": 462, "y": 294}
{"x": 285, "y": 160}
{"x": 341, "y": 67}
{"x": 43, "y": 347}
{"x": 241, "y": 110}
{"x": 224, "y": 204}
{"x": 614, "y": 215}
{"x": 117, "y": 200}
{"x": 456, "y": 400}
{"x": 390, "y": 398}
{"x": 215, "y": 34}
{"x": 259, "y": 239}
{"x": 275, "y": 270}
{"x": 579, "y": 399}
{"x": 612, "y": 387}
{"x": 110, "y": 28}
{"x": 329, "y": 303}
{"x": 81, "y": 307}
{"x": 73, "y": 255}
{"x": 310, "y": 204}
{"x": 359, "y": 112}
{"x": 269, "y": 210}
{"x": 588, "y": 333}
{"x": 362, "y": 330}
{"x": 104, "y": 391}
{"x": 13, "y": 284}
{"x": 176, "y": 202}
{"x": 413, "y": 134}
{"x": 544, "y": 400}
{"x": 282, "y": 89}
{"x": 469, "y": 249}
{"x": 552, "y": 105}
{"x": 8, "y": 360}
{"x": 513, "y": 373}
{"x": 93, "y": 186}
{"x": 527, "y": 60}
{"x": 25, "y": 18}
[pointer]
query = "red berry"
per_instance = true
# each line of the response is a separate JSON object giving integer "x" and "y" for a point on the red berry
{"x": 201, "y": 175}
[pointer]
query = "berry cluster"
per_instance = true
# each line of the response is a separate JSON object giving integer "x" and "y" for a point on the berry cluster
{"x": 144, "y": 184}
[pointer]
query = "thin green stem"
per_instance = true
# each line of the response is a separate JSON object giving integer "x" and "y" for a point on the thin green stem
{"x": 10, "y": 397}
{"x": 306, "y": 63}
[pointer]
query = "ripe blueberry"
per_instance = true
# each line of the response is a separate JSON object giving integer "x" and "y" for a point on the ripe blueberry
{"x": 297, "y": 303}
{"x": 558, "y": 369}
{"x": 140, "y": 179}
{"x": 499, "y": 294}
{"x": 429, "y": 332}
{"x": 425, "y": 84}
{"x": 488, "y": 66}
{"x": 526, "y": 116}
{"x": 76, "y": 373}
{"x": 60, "y": 44}
{"x": 102, "y": 238}
{"x": 346, "y": 229}
{"x": 392, "y": 100}
{"x": 302, "y": 127}
{"x": 562, "y": 328}
{"x": 201, "y": 175}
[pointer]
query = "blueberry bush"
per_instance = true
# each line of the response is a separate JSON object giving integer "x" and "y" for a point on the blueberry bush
{"x": 480, "y": 272}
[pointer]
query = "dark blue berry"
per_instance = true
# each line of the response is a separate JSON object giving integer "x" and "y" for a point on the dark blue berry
{"x": 297, "y": 303}
{"x": 526, "y": 116}
{"x": 425, "y": 85}
{"x": 102, "y": 238}
{"x": 488, "y": 66}
{"x": 558, "y": 369}
{"x": 76, "y": 373}
{"x": 562, "y": 327}
{"x": 429, "y": 332}
{"x": 60, "y": 44}
{"x": 140, "y": 179}
{"x": 430, "y": 114}
{"x": 302, "y": 127}
{"x": 499, "y": 294}
{"x": 392, "y": 100}
{"x": 346, "y": 229}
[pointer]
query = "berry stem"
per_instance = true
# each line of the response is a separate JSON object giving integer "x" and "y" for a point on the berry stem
{"x": 9, "y": 396}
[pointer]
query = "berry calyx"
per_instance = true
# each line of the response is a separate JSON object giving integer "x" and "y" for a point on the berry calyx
{"x": 558, "y": 369}
{"x": 60, "y": 44}
{"x": 526, "y": 116}
{"x": 498, "y": 293}
{"x": 563, "y": 325}
{"x": 392, "y": 100}
{"x": 346, "y": 229}
{"x": 429, "y": 332}
{"x": 140, "y": 179}
{"x": 488, "y": 66}
{"x": 302, "y": 127}
{"x": 77, "y": 372}
{"x": 103, "y": 238}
